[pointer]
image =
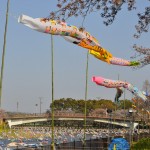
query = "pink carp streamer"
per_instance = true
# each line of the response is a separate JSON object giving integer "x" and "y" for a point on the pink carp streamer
{"x": 118, "y": 84}
{"x": 74, "y": 35}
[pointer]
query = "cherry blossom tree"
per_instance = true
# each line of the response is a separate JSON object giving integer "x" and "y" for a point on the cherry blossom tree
{"x": 108, "y": 10}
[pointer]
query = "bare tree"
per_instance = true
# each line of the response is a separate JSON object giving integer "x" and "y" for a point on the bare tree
{"x": 108, "y": 9}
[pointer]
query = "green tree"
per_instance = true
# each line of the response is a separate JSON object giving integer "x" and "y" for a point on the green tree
{"x": 80, "y": 104}
{"x": 90, "y": 106}
{"x": 125, "y": 104}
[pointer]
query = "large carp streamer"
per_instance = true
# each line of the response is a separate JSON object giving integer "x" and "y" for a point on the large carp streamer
{"x": 78, "y": 36}
{"x": 119, "y": 84}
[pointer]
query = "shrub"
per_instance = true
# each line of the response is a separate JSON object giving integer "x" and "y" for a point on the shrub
{"x": 143, "y": 144}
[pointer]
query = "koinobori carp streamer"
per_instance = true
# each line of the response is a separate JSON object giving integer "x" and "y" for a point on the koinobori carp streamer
{"x": 78, "y": 36}
{"x": 118, "y": 84}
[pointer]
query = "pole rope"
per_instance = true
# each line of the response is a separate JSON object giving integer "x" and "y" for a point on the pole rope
{"x": 3, "y": 53}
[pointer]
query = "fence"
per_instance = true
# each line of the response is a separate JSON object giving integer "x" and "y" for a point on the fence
{"x": 92, "y": 144}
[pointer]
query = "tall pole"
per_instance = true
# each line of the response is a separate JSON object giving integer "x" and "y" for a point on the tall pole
{"x": 40, "y": 104}
{"x": 143, "y": 122}
{"x": 124, "y": 104}
{"x": 131, "y": 125}
{"x": 149, "y": 113}
{"x": 3, "y": 54}
{"x": 36, "y": 105}
{"x": 115, "y": 108}
{"x": 17, "y": 106}
{"x": 85, "y": 102}
{"x": 131, "y": 130}
{"x": 109, "y": 111}
{"x": 109, "y": 129}
{"x": 138, "y": 119}
{"x": 52, "y": 63}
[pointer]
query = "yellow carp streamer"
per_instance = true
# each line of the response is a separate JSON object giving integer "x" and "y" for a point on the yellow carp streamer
{"x": 75, "y": 35}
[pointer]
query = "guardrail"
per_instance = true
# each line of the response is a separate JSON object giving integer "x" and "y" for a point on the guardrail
{"x": 72, "y": 115}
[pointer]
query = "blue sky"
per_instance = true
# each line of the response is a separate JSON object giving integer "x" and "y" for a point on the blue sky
{"x": 27, "y": 72}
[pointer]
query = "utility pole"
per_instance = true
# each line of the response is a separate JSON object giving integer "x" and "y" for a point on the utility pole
{"x": 36, "y": 109}
{"x": 40, "y": 104}
{"x": 17, "y": 106}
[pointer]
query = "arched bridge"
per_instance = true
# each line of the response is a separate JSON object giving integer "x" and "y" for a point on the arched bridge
{"x": 14, "y": 121}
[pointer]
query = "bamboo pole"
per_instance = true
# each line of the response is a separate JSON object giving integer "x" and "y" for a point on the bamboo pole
{"x": 3, "y": 53}
{"x": 52, "y": 66}
{"x": 124, "y": 104}
{"x": 114, "y": 117}
{"x": 138, "y": 120}
{"x": 86, "y": 92}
